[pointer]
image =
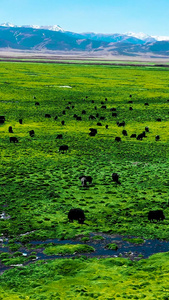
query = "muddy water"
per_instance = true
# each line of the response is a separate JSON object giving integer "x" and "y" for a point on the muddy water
{"x": 125, "y": 248}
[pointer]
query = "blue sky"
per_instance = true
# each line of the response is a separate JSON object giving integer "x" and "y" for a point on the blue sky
{"x": 103, "y": 16}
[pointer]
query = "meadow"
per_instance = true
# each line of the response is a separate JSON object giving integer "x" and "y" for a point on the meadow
{"x": 39, "y": 184}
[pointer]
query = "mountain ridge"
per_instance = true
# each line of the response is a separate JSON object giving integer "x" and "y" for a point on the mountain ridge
{"x": 54, "y": 38}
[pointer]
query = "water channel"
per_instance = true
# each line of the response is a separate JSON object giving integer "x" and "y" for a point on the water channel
{"x": 125, "y": 248}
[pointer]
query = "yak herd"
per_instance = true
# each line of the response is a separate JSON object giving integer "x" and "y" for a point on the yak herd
{"x": 77, "y": 213}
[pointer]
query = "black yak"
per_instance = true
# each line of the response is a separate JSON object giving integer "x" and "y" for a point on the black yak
{"x": 10, "y": 129}
{"x": 124, "y": 132}
{"x": 31, "y": 133}
{"x": 115, "y": 178}
{"x": 157, "y": 138}
{"x": 47, "y": 116}
{"x": 84, "y": 179}
{"x": 118, "y": 139}
{"x": 59, "y": 136}
{"x": 63, "y": 148}
{"x": 121, "y": 124}
{"x": 13, "y": 139}
{"x": 76, "y": 214}
{"x": 156, "y": 215}
{"x": 2, "y": 119}
{"x": 91, "y": 117}
{"x": 133, "y": 135}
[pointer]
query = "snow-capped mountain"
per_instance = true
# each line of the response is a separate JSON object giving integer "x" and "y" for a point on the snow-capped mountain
{"x": 53, "y": 28}
{"x": 54, "y": 38}
{"x": 7, "y": 24}
{"x": 140, "y": 35}
{"x": 147, "y": 38}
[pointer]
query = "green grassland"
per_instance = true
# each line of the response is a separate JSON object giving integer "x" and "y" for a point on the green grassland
{"x": 39, "y": 185}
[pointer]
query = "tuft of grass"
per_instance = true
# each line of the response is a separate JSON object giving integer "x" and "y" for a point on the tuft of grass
{"x": 68, "y": 249}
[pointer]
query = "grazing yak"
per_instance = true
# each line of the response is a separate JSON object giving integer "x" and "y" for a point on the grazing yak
{"x": 59, "y": 136}
{"x": 146, "y": 129}
{"x": 55, "y": 118}
{"x": 141, "y": 136}
{"x": 115, "y": 178}
{"x": 157, "y": 138}
{"x": 47, "y": 116}
{"x": 63, "y": 148}
{"x": 124, "y": 132}
{"x": 37, "y": 103}
{"x": 2, "y": 119}
{"x": 121, "y": 124}
{"x": 13, "y": 139}
{"x": 31, "y": 133}
{"x": 76, "y": 214}
{"x": 63, "y": 122}
{"x": 99, "y": 124}
{"x": 84, "y": 179}
{"x": 113, "y": 109}
{"x": 156, "y": 215}
{"x": 20, "y": 121}
{"x": 133, "y": 135}
{"x": 92, "y": 133}
{"x": 93, "y": 130}
{"x": 78, "y": 118}
{"x": 91, "y": 117}
{"x": 107, "y": 126}
{"x": 10, "y": 129}
{"x": 118, "y": 139}
{"x": 130, "y": 108}
{"x": 114, "y": 114}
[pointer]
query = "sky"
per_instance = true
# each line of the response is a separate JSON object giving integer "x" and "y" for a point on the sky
{"x": 99, "y": 16}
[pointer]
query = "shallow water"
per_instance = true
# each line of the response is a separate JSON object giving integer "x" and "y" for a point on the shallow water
{"x": 125, "y": 248}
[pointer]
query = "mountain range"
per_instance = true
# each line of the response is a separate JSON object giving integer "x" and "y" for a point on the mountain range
{"x": 54, "y": 38}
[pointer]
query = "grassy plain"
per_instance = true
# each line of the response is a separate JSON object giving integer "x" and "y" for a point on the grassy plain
{"x": 39, "y": 185}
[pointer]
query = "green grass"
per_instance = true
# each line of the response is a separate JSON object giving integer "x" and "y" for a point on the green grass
{"x": 68, "y": 249}
{"x": 39, "y": 185}
{"x": 111, "y": 278}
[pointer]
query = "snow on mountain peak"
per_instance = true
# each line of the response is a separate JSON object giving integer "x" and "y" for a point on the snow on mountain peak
{"x": 7, "y": 24}
{"x": 161, "y": 38}
{"x": 139, "y": 35}
{"x": 53, "y": 28}
{"x": 148, "y": 38}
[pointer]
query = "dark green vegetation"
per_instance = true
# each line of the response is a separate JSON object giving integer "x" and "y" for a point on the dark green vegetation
{"x": 39, "y": 185}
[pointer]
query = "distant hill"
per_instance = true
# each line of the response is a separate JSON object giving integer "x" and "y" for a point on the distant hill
{"x": 54, "y": 38}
